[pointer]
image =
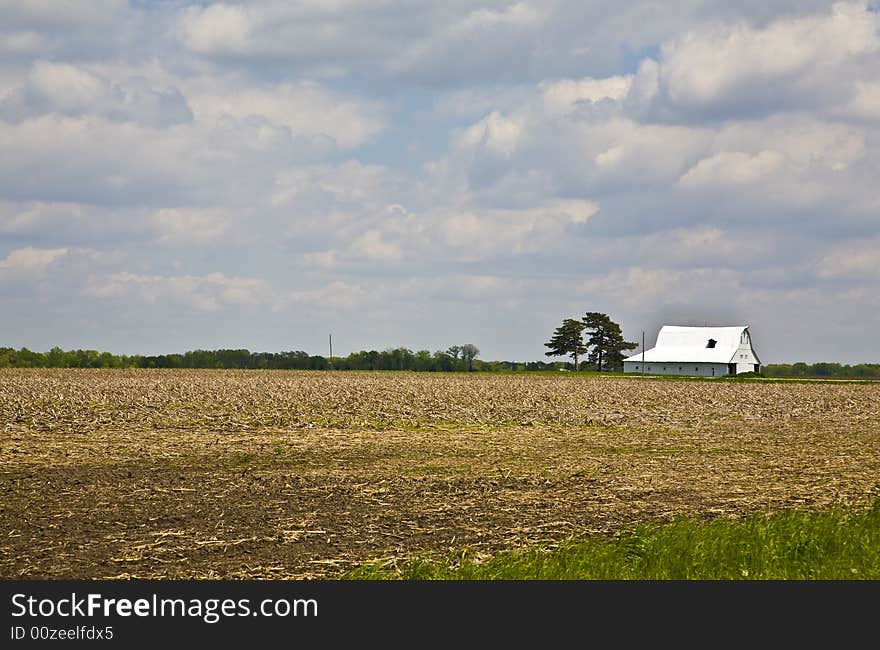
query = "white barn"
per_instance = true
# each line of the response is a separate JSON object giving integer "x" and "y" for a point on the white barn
{"x": 697, "y": 351}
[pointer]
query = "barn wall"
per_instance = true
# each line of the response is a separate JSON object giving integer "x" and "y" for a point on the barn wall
{"x": 693, "y": 369}
{"x": 744, "y": 358}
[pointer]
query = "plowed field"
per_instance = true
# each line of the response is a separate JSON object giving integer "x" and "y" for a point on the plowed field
{"x": 276, "y": 474}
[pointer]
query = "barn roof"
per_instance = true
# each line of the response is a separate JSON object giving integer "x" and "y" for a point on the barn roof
{"x": 691, "y": 345}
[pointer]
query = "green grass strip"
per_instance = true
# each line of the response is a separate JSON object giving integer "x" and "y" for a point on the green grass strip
{"x": 836, "y": 544}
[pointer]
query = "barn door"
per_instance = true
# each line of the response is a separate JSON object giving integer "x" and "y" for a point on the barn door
{"x": 731, "y": 368}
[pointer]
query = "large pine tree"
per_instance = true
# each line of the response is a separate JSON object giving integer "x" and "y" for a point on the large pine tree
{"x": 567, "y": 340}
{"x": 605, "y": 341}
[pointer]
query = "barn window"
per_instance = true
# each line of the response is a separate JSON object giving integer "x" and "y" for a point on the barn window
{"x": 696, "y": 370}
{"x": 679, "y": 367}
{"x": 711, "y": 343}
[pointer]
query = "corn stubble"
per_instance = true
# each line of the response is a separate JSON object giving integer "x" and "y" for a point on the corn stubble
{"x": 286, "y": 474}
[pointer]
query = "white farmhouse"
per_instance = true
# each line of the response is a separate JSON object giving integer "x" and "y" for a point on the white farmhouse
{"x": 698, "y": 351}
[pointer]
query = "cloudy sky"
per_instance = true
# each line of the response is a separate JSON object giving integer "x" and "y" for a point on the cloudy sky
{"x": 178, "y": 175}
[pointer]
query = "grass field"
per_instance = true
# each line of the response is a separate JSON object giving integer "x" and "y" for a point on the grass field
{"x": 833, "y": 544}
{"x": 286, "y": 474}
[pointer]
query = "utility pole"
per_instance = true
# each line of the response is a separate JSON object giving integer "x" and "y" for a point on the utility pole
{"x": 330, "y": 359}
{"x": 643, "y": 352}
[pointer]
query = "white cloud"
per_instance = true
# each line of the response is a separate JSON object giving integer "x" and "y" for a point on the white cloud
{"x": 520, "y": 14}
{"x": 86, "y": 159}
{"x": 337, "y": 295}
{"x": 853, "y": 260}
{"x": 576, "y": 210}
{"x": 733, "y": 168}
{"x": 348, "y": 185}
{"x": 447, "y": 235}
{"x": 485, "y": 42}
{"x": 476, "y": 102}
{"x": 30, "y": 259}
{"x": 231, "y": 151}
{"x": 865, "y": 102}
{"x": 583, "y": 152}
{"x": 76, "y": 225}
{"x": 66, "y": 13}
{"x": 217, "y": 28}
{"x": 560, "y": 97}
{"x": 23, "y": 42}
{"x": 374, "y": 239}
{"x": 50, "y": 273}
{"x": 799, "y": 162}
{"x": 305, "y": 109}
{"x": 65, "y": 89}
{"x": 650, "y": 289}
{"x": 474, "y": 235}
{"x": 495, "y": 132}
{"x": 803, "y": 141}
{"x": 67, "y": 29}
{"x": 739, "y": 69}
{"x": 310, "y": 35}
{"x": 190, "y": 225}
{"x": 453, "y": 43}
{"x": 372, "y": 246}
{"x": 206, "y": 292}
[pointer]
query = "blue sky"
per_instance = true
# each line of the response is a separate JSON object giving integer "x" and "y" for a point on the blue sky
{"x": 178, "y": 175}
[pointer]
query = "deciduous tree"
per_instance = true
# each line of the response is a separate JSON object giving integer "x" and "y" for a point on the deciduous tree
{"x": 469, "y": 352}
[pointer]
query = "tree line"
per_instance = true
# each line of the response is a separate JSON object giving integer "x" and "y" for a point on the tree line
{"x": 450, "y": 360}
{"x": 457, "y": 358}
{"x": 822, "y": 370}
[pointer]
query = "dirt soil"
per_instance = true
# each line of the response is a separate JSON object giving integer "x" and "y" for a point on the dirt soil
{"x": 225, "y": 474}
